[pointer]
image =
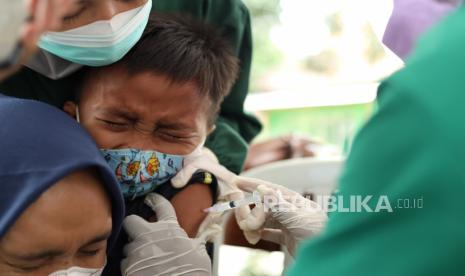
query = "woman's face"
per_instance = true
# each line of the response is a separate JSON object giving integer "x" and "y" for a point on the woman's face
{"x": 67, "y": 226}
{"x": 87, "y": 11}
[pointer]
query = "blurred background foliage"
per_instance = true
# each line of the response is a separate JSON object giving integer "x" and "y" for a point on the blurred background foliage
{"x": 270, "y": 57}
{"x": 302, "y": 49}
{"x": 265, "y": 15}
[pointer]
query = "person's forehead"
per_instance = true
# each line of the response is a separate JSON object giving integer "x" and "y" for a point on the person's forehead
{"x": 142, "y": 92}
{"x": 116, "y": 81}
{"x": 77, "y": 199}
{"x": 65, "y": 217}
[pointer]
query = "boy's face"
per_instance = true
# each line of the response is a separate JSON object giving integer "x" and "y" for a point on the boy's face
{"x": 144, "y": 111}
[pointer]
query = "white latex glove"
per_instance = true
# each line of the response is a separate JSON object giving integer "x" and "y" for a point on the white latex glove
{"x": 207, "y": 161}
{"x": 287, "y": 227}
{"x": 285, "y": 217}
{"x": 163, "y": 247}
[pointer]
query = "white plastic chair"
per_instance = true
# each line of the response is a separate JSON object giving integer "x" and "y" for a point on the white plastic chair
{"x": 304, "y": 175}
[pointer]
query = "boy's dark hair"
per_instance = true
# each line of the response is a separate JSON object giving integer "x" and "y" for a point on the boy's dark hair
{"x": 186, "y": 49}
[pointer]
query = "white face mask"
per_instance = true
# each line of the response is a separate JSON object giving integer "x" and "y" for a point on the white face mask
{"x": 78, "y": 271}
{"x": 51, "y": 66}
{"x": 99, "y": 43}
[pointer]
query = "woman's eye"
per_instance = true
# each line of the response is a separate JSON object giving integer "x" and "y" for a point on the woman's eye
{"x": 75, "y": 15}
{"x": 138, "y": 2}
{"x": 25, "y": 268}
{"x": 30, "y": 269}
{"x": 90, "y": 253}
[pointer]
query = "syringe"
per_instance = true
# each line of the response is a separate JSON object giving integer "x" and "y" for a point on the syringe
{"x": 225, "y": 206}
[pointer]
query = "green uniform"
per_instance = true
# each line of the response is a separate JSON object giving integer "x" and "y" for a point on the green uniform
{"x": 412, "y": 148}
{"x": 234, "y": 128}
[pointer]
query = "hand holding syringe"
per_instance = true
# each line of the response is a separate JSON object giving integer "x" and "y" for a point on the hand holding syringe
{"x": 291, "y": 227}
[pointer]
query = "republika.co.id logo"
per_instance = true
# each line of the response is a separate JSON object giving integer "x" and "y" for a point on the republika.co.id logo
{"x": 340, "y": 203}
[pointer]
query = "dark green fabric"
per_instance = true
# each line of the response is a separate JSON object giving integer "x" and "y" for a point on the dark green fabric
{"x": 411, "y": 148}
{"x": 234, "y": 128}
{"x": 28, "y": 84}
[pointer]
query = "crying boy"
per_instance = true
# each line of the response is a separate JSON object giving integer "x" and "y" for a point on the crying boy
{"x": 156, "y": 106}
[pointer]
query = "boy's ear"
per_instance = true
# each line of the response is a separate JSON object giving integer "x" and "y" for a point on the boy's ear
{"x": 70, "y": 108}
{"x": 211, "y": 129}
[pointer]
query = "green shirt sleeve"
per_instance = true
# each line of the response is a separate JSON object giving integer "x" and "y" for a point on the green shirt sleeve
{"x": 234, "y": 128}
{"x": 412, "y": 149}
{"x": 401, "y": 155}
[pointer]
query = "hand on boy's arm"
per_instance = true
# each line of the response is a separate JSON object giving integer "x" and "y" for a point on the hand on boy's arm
{"x": 192, "y": 200}
{"x": 163, "y": 247}
{"x": 226, "y": 185}
{"x": 207, "y": 161}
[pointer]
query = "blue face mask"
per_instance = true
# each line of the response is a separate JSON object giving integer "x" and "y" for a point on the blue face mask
{"x": 140, "y": 172}
{"x": 99, "y": 43}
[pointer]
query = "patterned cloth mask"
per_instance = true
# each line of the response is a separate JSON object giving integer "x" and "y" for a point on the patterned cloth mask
{"x": 140, "y": 172}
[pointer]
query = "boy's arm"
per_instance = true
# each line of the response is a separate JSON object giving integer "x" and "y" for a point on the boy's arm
{"x": 189, "y": 205}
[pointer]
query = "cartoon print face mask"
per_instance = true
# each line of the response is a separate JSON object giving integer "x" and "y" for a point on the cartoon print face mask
{"x": 140, "y": 172}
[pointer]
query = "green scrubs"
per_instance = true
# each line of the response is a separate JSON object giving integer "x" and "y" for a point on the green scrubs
{"x": 412, "y": 149}
{"x": 234, "y": 128}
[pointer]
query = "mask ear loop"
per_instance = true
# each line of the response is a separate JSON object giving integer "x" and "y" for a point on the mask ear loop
{"x": 77, "y": 114}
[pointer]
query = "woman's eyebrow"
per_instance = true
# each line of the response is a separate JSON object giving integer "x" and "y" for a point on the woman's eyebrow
{"x": 31, "y": 257}
{"x": 99, "y": 238}
{"x": 81, "y": 4}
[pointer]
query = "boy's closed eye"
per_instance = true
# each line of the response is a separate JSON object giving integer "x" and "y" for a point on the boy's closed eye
{"x": 163, "y": 132}
{"x": 174, "y": 137}
{"x": 116, "y": 125}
